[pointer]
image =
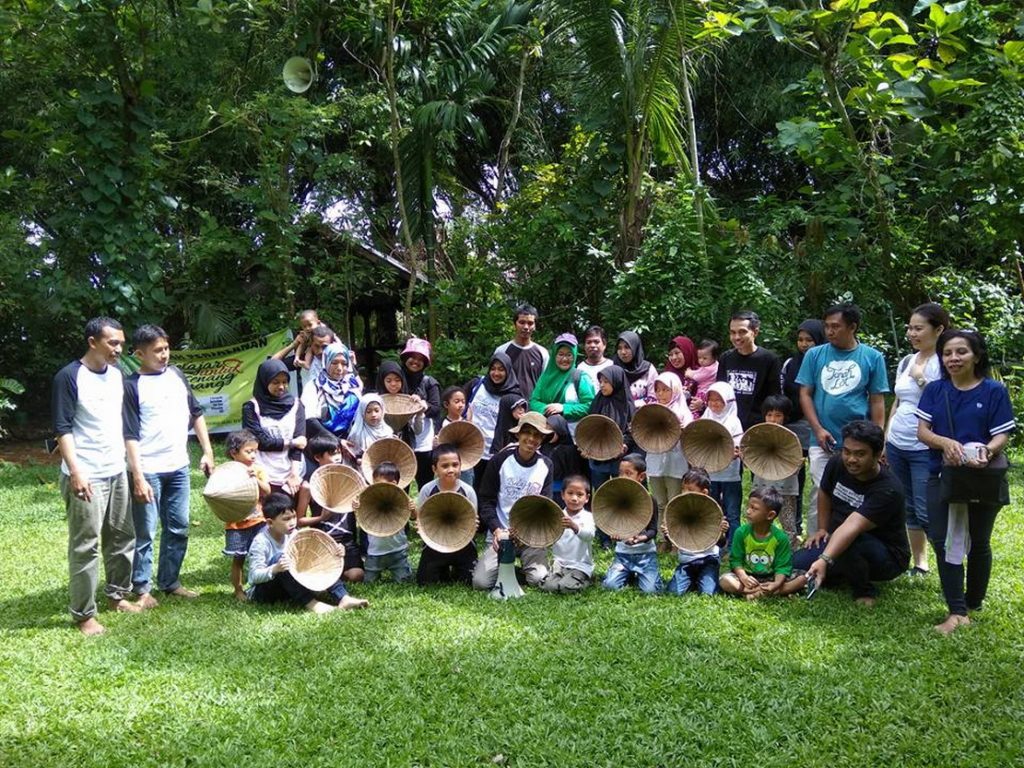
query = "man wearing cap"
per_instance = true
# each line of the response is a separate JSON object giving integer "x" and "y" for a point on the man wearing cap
{"x": 528, "y": 357}
{"x": 862, "y": 534}
{"x": 516, "y": 471}
{"x": 87, "y": 420}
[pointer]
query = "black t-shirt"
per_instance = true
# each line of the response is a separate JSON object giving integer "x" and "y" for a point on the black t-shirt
{"x": 753, "y": 377}
{"x": 879, "y": 499}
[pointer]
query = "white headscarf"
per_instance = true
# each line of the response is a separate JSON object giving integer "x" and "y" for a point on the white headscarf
{"x": 362, "y": 435}
{"x": 728, "y": 417}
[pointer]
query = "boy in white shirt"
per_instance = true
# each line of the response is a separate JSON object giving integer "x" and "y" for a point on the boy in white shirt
{"x": 573, "y": 565}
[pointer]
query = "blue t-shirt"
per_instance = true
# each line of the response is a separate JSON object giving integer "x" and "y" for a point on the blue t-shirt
{"x": 979, "y": 413}
{"x": 842, "y": 380}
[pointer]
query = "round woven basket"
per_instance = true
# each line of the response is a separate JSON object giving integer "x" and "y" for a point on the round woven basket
{"x": 317, "y": 560}
{"x": 622, "y": 507}
{"x": 396, "y": 451}
{"x": 537, "y": 521}
{"x": 693, "y": 521}
{"x": 771, "y": 451}
{"x": 655, "y": 428}
{"x": 467, "y": 439}
{"x": 708, "y": 444}
{"x": 334, "y": 487}
{"x": 399, "y": 410}
{"x": 383, "y": 509}
{"x": 447, "y": 522}
{"x": 231, "y": 493}
{"x": 598, "y": 437}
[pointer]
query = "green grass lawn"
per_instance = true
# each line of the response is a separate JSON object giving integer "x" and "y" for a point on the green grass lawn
{"x": 447, "y": 677}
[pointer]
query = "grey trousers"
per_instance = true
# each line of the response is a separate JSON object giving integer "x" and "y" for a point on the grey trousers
{"x": 104, "y": 521}
{"x": 533, "y": 559}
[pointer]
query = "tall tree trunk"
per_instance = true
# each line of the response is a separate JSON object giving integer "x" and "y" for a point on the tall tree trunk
{"x": 691, "y": 140}
{"x": 395, "y": 134}
{"x": 506, "y": 140}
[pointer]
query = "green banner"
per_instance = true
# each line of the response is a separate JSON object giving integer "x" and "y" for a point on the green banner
{"x": 222, "y": 378}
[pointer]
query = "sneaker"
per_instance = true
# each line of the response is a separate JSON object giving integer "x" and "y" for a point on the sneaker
{"x": 916, "y": 573}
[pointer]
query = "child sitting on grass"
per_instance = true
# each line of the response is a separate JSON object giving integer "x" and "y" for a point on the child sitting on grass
{"x": 697, "y": 569}
{"x": 238, "y": 537}
{"x": 446, "y": 567}
{"x": 269, "y": 564}
{"x": 761, "y": 559}
{"x": 322, "y": 450}
{"x": 636, "y": 555}
{"x": 573, "y": 565}
{"x": 387, "y": 554}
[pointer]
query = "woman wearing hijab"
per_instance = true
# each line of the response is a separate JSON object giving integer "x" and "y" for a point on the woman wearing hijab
{"x": 682, "y": 356}
{"x": 562, "y": 389}
{"x": 629, "y": 356}
{"x": 485, "y": 393}
{"x": 278, "y": 421}
{"x": 810, "y": 333}
{"x": 614, "y": 402}
{"x": 416, "y": 358}
{"x": 332, "y": 401}
{"x": 391, "y": 380}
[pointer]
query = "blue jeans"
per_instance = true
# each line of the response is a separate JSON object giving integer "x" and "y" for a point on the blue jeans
{"x": 911, "y": 469}
{"x": 981, "y": 519}
{"x": 397, "y": 563}
{"x": 170, "y": 506}
{"x": 867, "y": 559}
{"x": 644, "y": 565}
{"x": 728, "y": 495}
{"x": 703, "y": 573}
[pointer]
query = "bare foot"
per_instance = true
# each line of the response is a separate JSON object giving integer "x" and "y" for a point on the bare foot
{"x": 240, "y": 596}
{"x": 123, "y": 606}
{"x": 866, "y": 602}
{"x": 90, "y": 627}
{"x": 315, "y": 606}
{"x": 952, "y": 623}
{"x": 147, "y": 601}
{"x": 188, "y": 594}
{"x": 752, "y": 595}
{"x": 349, "y": 603}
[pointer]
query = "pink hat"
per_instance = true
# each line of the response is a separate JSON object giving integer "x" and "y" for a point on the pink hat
{"x": 416, "y": 346}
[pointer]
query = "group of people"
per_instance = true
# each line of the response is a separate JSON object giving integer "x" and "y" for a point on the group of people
{"x": 876, "y": 499}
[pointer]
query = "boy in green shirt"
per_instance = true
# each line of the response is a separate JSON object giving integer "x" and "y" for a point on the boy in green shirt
{"x": 760, "y": 556}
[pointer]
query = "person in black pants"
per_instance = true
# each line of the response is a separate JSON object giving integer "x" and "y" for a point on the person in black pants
{"x": 446, "y": 567}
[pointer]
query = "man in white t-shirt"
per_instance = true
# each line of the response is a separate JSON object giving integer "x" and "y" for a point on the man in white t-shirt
{"x": 528, "y": 358}
{"x": 595, "y": 342}
{"x": 159, "y": 409}
{"x": 87, "y": 399}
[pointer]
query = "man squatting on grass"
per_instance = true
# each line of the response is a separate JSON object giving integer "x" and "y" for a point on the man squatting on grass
{"x": 862, "y": 534}
{"x": 87, "y": 402}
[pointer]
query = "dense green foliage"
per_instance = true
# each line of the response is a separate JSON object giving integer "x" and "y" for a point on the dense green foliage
{"x": 448, "y": 677}
{"x": 644, "y": 163}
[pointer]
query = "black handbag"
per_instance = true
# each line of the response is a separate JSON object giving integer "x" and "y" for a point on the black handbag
{"x": 974, "y": 485}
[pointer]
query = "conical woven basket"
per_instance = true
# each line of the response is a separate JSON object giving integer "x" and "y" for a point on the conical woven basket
{"x": 447, "y": 522}
{"x": 230, "y": 492}
{"x": 622, "y": 507}
{"x": 335, "y": 487}
{"x": 467, "y": 439}
{"x": 399, "y": 410}
{"x": 397, "y": 452}
{"x": 537, "y": 521}
{"x": 708, "y": 444}
{"x": 317, "y": 561}
{"x": 383, "y": 509}
{"x": 693, "y": 521}
{"x": 598, "y": 437}
{"x": 771, "y": 451}
{"x": 655, "y": 428}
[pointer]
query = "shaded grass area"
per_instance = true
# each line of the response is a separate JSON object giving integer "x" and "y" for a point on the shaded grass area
{"x": 447, "y": 677}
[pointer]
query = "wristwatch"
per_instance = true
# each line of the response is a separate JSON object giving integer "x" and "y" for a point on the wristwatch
{"x": 827, "y": 559}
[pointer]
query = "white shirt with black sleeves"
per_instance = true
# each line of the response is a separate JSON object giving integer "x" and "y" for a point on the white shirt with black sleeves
{"x": 159, "y": 409}
{"x": 87, "y": 405}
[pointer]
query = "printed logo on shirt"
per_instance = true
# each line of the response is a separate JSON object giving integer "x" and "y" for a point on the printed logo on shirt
{"x": 743, "y": 382}
{"x": 841, "y": 492}
{"x": 840, "y": 376}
